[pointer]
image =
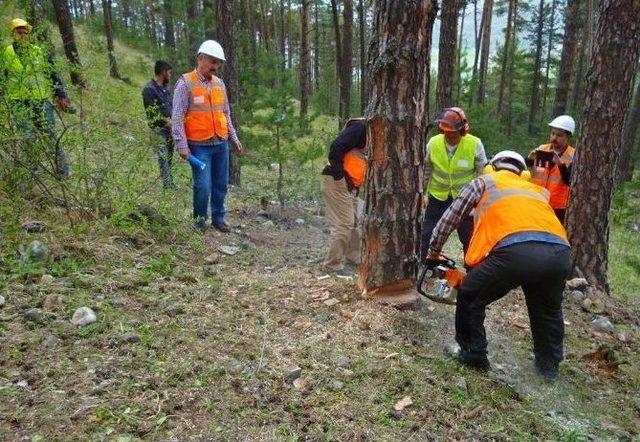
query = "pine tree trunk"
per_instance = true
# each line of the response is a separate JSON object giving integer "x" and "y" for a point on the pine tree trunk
{"x": 316, "y": 45}
{"x": 347, "y": 60}
{"x": 629, "y": 142}
{"x": 548, "y": 59}
{"x": 290, "y": 43}
{"x": 251, "y": 25}
{"x": 487, "y": 14}
{"x": 608, "y": 96}
{"x": 363, "y": 60}
{"x": 583, "y": 59}
{"x": 399, "y": 72}
{"x": 566, "y": 60}
{"x": 92, "y": 8}
{"x": 447, "y": 53}
{"x": 108, "y": 29}
{"x": 459, "y": 58}
{"x": 225, "y": 35}
{"x": 68, "y": 40}
{"x": 338, "y": 41}
{"x": 505, "y": 73}
{"x": 192, "y": 28}
{"x": 305, "y": 61}
{"x": 281, "y": 38}
{"x": 534, "y": 108}
{"x": 477, "y": 34}
{"x": 169, "y": 35}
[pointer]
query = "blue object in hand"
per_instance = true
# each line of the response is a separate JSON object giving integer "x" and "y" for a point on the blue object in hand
{"x": 196, "y": 162}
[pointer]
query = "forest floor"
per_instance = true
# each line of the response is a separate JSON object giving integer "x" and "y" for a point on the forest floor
{"x": 191, "y": 343}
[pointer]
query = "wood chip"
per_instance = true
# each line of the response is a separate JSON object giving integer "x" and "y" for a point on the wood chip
{"x": 403, "y": 403}
{"x": 331, "y": 302}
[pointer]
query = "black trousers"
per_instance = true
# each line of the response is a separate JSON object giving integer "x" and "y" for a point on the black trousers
{"x": 435, "y": 210}
{"x": 541, "y": 269}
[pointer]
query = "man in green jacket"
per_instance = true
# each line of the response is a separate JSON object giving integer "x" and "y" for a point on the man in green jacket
{"x": 453, "y": 159}
{"x": 28, "y": 81}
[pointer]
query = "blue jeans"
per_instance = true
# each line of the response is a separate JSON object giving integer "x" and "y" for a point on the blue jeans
{"x": 212, "y": 182}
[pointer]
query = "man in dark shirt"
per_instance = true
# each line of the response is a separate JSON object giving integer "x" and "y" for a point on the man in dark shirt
{"x": 158, "y": 105}
{"x": 341, "y": 178}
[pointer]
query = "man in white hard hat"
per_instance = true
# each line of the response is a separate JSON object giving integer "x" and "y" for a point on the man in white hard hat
{"x": 552, "y": 163}
{"x": 28, "y": 81}
{"x": 517, "y": 242}
{"x": 202, "y": 128}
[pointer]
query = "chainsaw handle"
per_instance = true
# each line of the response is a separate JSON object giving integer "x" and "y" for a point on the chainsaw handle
{"x": 442, "y": 259}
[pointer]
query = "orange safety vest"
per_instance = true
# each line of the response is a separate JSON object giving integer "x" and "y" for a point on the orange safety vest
{"x": 205, "y": 117}
{"x": 354, "y": 164}
{"x": 509, "y": 204}
{"x": 550, "y": 178}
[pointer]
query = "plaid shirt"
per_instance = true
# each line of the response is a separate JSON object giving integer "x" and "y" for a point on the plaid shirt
{"x": 181, "y": 96}
{"x": 461, "y": 207}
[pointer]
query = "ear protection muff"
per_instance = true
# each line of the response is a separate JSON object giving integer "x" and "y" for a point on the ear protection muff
{"x": 461, "y": 125}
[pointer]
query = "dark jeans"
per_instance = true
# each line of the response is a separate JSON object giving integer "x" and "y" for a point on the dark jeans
{"x": 211, "y": 183}
{"x": 163, "y": 142}
{"x": 36, "y": 119}
{"x": 541, "y": 269}
{"x": 435, "y": 210}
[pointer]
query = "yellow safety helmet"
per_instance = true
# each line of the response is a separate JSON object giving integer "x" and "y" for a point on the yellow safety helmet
{"x": 19, "y": 23}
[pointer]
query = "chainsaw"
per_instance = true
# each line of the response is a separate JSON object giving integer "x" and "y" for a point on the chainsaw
{"x": 440, "y": 279}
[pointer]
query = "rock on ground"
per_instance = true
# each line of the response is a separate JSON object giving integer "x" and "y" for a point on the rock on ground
{"x": 83, "y": 316}
{"x": 602, "y": 324}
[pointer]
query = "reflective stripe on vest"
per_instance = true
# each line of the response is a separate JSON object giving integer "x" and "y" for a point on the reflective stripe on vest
{"x": 551, "y": 179}
{"x": 355, "y": 166}
{"x": 28, "y": 76}
{"x": 509, "y": 204}
{"x": 449, "y": 176}
{"x": 205, "y": 117}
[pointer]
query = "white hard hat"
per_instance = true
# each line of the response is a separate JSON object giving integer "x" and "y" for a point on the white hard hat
{"x": 501, "y": 161}
{"x": 212, "y": 48}
{"x": 564, "y": 122}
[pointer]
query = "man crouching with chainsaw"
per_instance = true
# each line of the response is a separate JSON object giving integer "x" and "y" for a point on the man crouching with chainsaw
{"x": 517, "y": 241}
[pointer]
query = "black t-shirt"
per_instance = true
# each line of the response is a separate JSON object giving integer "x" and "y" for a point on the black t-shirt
{"x": 354, "y": 135}
{"x": 158, "y": 103}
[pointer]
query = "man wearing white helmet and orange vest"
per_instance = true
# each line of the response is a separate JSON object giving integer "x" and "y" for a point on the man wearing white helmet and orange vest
{"x": 201, "y": 126}
{"x": 453, "y": 159}
{"x": 517, "y": 242}
{"x": 343, "y": 175}
{"x": 551, "y": 164}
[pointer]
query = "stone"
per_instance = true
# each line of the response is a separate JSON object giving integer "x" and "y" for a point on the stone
{"x": 274, "y": 167}
{"x": 337, "y": 385}
{"x": 577, "y": 295}
{"x": 622, "y": 337}
{"x": 342, "y": 360}
{"x": 451, "y": 349}
{"x": 577, "y": 284}
{"x": 593, "y": 305}
{"x": 34, "y": 252}
{"x": 173, "y": 310}
{"x": 46, "y": 279}
{"x": 302, "y": 384}
{"x": 228, "y": 250}
{"x": 83, "y": 316}
{"x": 268, "y": 224}
{"x": 2, "y": 301}
{"x": 212, "y": 259}
{"x": 50, "y": 341}
{"x": 33, "y": 315}
{"x": 51, "y": 301}
{"x": 247, "y": 244}
{"x": 461, "y": 383}
{"x": 129, "y": 337}
{"x": 234, "y": 367}
{"x": 210, "y": 270}
{"x": 34, "y": 226}
{"x": 263, "y": 213}
{"x": 292, "y": 374}
{"x": 601, "y": 324}
{"x": 300, "y": 221}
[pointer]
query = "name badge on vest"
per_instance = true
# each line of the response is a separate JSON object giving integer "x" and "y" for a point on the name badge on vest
{"x": 463, "y": 163}
{"x": 198, "y": 99}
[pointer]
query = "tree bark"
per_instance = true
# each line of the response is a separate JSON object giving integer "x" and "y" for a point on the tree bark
{"x": 447, "y": 53}
{"x": 347, "y": 61}
{"x": 611, "y": 72}
{"x": 363, "y": 60}
{"x": 487, "y": 14}
{"x": 477, "y": 34}
{"x": 338, "y": 41}
{"x": 281, "y": 38}
{"x": 192, "y": 28}
{"x": 534, "y": 107}
{"x": 459, "y": 56}
{"x": 251, "y": 21}
{"x": 68, "y": 40}
{"x": 583, "y": 59}
{"x": 305, "y": 59}
{"x": 629, "y": 143}
{"x": 316, "y": 45}
{"x": 548, "y": 59}
{"x": 225, "y": 35}
{"x": 566, "y": 59}
{"x": 505, "y": 72}
{"x": 399, "y": 72}
{"x": 169, "y": 34}
{"x": 108, "y": 29}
